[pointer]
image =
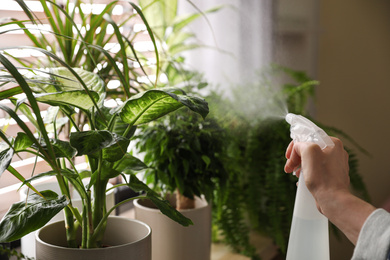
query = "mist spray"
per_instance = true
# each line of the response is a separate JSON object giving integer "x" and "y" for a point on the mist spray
{"x": 309, "y": 235}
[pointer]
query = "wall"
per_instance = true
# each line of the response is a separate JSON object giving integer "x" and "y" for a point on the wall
{"x": 354, "y": 71}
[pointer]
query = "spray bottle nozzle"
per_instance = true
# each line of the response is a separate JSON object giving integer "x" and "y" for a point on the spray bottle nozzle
{"x": 289, "y": 118}
{"x": 304, "y": 130}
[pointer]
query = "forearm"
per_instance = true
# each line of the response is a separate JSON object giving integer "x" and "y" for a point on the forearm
{"x": 347, "y": 212}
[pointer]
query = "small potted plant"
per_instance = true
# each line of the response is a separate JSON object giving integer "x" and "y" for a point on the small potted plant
{"x": 77, "y": 98}
{"x": 185, "y": 157}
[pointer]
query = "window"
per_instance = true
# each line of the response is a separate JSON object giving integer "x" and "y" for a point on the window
{"x": 12, "y": 35}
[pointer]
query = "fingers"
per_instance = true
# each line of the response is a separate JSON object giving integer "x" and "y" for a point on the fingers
{"x": 289, "y": 149}
{"x": 294, "y": 153}
{"x": 293, "y": 158}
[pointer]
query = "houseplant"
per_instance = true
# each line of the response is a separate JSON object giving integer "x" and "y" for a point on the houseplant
{"x": 78, "y": 97}
{"x": 105, "y": 148}
{"x": 188, "y": 167}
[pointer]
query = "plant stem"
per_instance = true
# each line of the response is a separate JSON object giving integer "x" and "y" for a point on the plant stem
{"x": 182, "y": 202}
{"x": 102, "y": 223}
{"x": 99, "y": 202}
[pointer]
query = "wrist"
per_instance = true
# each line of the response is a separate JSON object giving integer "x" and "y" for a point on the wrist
{"x": 346, "y": 211}
{"x": 331, "y": 202}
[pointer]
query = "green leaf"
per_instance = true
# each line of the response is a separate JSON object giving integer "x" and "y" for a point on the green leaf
{"x": 77, "y": 98}
{"x": 60, "y": 148}
{"x": 5, "y": 159}
{"x": 69, "y": 82}
{"x": 32, "y": 102}
{"x": 27, "y": 216}
{"x": 20, "y": 177}
{"x": 90, "y": 142}
{"x": 107, "y": 172}
{"x": 207, "y": 160}
{"x": 117, "y": 149}
{"x": 152, "y": 104}
{"x": 22, "y": 141}
{"x": 151, "y": 35}
{"x": 130, "y": 163}
{"x": 63, "y": 149}
{"x": 10, "y": 92}
{"x": 163, "y": 205}
{"x": 65, "y": 172}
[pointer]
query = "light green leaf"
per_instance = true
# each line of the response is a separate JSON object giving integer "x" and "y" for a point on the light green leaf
{"x": 77, "y": 98}
{"x": 26, "y": 216}
{"x": 152, "y": 104}
{"x": 22, "y": 141}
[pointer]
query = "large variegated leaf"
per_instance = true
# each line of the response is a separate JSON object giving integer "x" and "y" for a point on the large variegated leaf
{"x": 152, "y": 104}
{"x": 69, "y": 82}
{"x": 27, "y": 216}
{"x": 113, "y": 146}
{"x": 61, "y": 79}
{"x": 77, "y": 98}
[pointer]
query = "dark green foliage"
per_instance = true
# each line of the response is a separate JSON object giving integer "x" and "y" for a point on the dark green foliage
{"x": 184, "y": 152}
{"x": 229, "y": 221}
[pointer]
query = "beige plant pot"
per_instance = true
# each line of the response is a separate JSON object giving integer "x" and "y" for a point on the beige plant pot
{"x": 127, "y": 239}
{"x": 170, "y": 240}
{"x": 27, "y": 243}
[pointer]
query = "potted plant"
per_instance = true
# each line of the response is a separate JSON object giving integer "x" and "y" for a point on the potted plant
{"x": 188, "y": 168}
{"x": 101, "y": 134}
{"x": 105, "y": 149}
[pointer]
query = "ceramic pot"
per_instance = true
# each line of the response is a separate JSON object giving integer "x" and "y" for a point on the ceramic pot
{"x": 170, "y": 240}
{"x": 27, "y": 243}
{"x": 127, "y": 239}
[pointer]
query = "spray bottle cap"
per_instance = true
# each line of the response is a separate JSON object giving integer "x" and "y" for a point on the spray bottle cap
{"x": 303, "y": 130}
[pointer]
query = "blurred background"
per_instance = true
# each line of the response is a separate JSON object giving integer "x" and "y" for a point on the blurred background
{"x": 342, "y": 44}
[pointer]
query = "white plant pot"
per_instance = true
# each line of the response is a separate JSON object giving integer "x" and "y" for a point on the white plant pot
{"x": 127, "y": 239}
{"x": 27, "y": 242}
{"x": 170, "y": 240}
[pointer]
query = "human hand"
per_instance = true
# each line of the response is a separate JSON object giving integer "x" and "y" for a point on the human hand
{"x": 326, "y": 171}
{"x": 327, "y": 178}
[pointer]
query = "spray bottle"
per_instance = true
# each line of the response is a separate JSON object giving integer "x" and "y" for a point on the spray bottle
{"x": 309, "y": 235}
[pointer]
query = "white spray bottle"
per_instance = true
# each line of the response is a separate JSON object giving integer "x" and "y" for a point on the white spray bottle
{"x": 309, "y": 235}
